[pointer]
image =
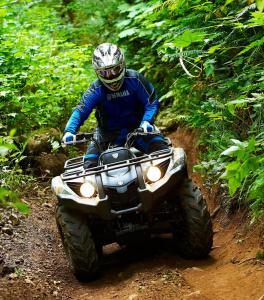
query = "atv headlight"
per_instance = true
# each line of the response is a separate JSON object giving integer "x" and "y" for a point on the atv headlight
{"x": 153, "y": 173}
{"x": 87, "y": 190}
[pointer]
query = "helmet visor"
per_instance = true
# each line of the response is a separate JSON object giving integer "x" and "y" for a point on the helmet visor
{"x": 111, "y": 73}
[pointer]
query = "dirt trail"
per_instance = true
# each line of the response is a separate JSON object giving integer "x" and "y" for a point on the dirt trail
{"x": 231, "y": 271}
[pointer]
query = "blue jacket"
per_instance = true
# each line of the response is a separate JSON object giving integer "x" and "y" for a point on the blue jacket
{"x": 135, "y": 102}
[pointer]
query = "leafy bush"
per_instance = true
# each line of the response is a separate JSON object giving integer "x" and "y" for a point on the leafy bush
{"x": 12, "y": 179}
{"x": 206, "y": 58}
{"x": 43, "y": 75}
{"x": 93, "y": 21}
{"x": 43, "y": 72}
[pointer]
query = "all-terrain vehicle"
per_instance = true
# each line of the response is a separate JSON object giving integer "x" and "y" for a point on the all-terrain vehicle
{"x": 128, "y": 198}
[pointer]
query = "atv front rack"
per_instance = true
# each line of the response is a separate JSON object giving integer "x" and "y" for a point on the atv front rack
{"x": 78, "y": 162}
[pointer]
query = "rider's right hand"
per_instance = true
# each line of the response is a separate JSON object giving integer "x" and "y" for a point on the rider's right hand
{"x": 146, "y": 126}
{"x": 69, "y": 138}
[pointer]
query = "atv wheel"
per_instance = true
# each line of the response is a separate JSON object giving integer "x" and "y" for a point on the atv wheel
{"x": 78, "y": 243}
{"x": 194, "y": 236}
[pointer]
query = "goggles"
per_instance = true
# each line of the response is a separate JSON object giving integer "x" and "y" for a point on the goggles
{"x": 111, "y": 73}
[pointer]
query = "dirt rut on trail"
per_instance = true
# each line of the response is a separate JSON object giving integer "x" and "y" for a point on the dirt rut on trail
{"x": 33, "y": 265}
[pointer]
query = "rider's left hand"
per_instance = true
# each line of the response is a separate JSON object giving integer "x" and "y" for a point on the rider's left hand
{"x": 69, "y": 138}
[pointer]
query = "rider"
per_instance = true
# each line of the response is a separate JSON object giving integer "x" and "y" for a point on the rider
{"x": 124, "y": 100}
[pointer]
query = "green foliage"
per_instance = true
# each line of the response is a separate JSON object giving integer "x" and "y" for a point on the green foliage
{"x": 9, "y": 198}
{"x": 243, "y": 164}
{"x": 260, "y": 255}
{"x": 206, "y": 58}
{"x": 19, "y": 271}
{"x": 43, "y": 75}
{"x": 12, "y": 179}
{"x": 6, "y": 194}
{"x": 42, "y": 72}
{"x": 187, "y": 38}
{"x": 22, "y": 207}
{"x": 93, "y": 21}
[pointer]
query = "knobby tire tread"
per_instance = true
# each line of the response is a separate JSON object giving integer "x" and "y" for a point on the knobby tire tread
{"x": 78, "y": 243}
{"x": 195, "y": 235}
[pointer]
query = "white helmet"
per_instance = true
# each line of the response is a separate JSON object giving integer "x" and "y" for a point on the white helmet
{"x": 109, "y": 65}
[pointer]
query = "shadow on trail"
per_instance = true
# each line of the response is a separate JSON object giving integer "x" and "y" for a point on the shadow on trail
{"x": 122, "y": 263}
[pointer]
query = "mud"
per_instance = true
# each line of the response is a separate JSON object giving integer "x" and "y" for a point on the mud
{"x": 40, "y": 271}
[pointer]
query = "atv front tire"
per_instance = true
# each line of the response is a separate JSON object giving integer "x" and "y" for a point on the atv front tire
{"x": 194, "y": 236}
{"x": 78, "y": 243}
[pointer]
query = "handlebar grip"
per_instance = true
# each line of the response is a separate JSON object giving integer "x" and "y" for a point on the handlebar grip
{"x": 80, "y": 138}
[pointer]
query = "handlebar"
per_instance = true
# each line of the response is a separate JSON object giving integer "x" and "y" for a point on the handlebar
{"x": 85, "y": 137}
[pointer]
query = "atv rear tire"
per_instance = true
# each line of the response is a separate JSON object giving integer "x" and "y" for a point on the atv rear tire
{"x": 194, "y": 236}
{"x": 78, "y": 243}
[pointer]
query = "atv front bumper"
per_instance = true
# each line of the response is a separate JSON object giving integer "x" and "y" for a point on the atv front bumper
{"x": 149, "y": 197}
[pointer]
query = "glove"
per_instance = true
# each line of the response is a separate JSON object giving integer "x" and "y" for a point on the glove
{"x": 69, "y": 138}
{"x": 146, "y": 126}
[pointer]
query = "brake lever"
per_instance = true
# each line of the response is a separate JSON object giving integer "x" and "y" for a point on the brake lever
{"x": 140, "y": 131}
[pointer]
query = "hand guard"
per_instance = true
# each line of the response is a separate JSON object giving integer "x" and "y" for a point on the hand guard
{"x": 147, "y": 127}
{"x": 69, "y": 138}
